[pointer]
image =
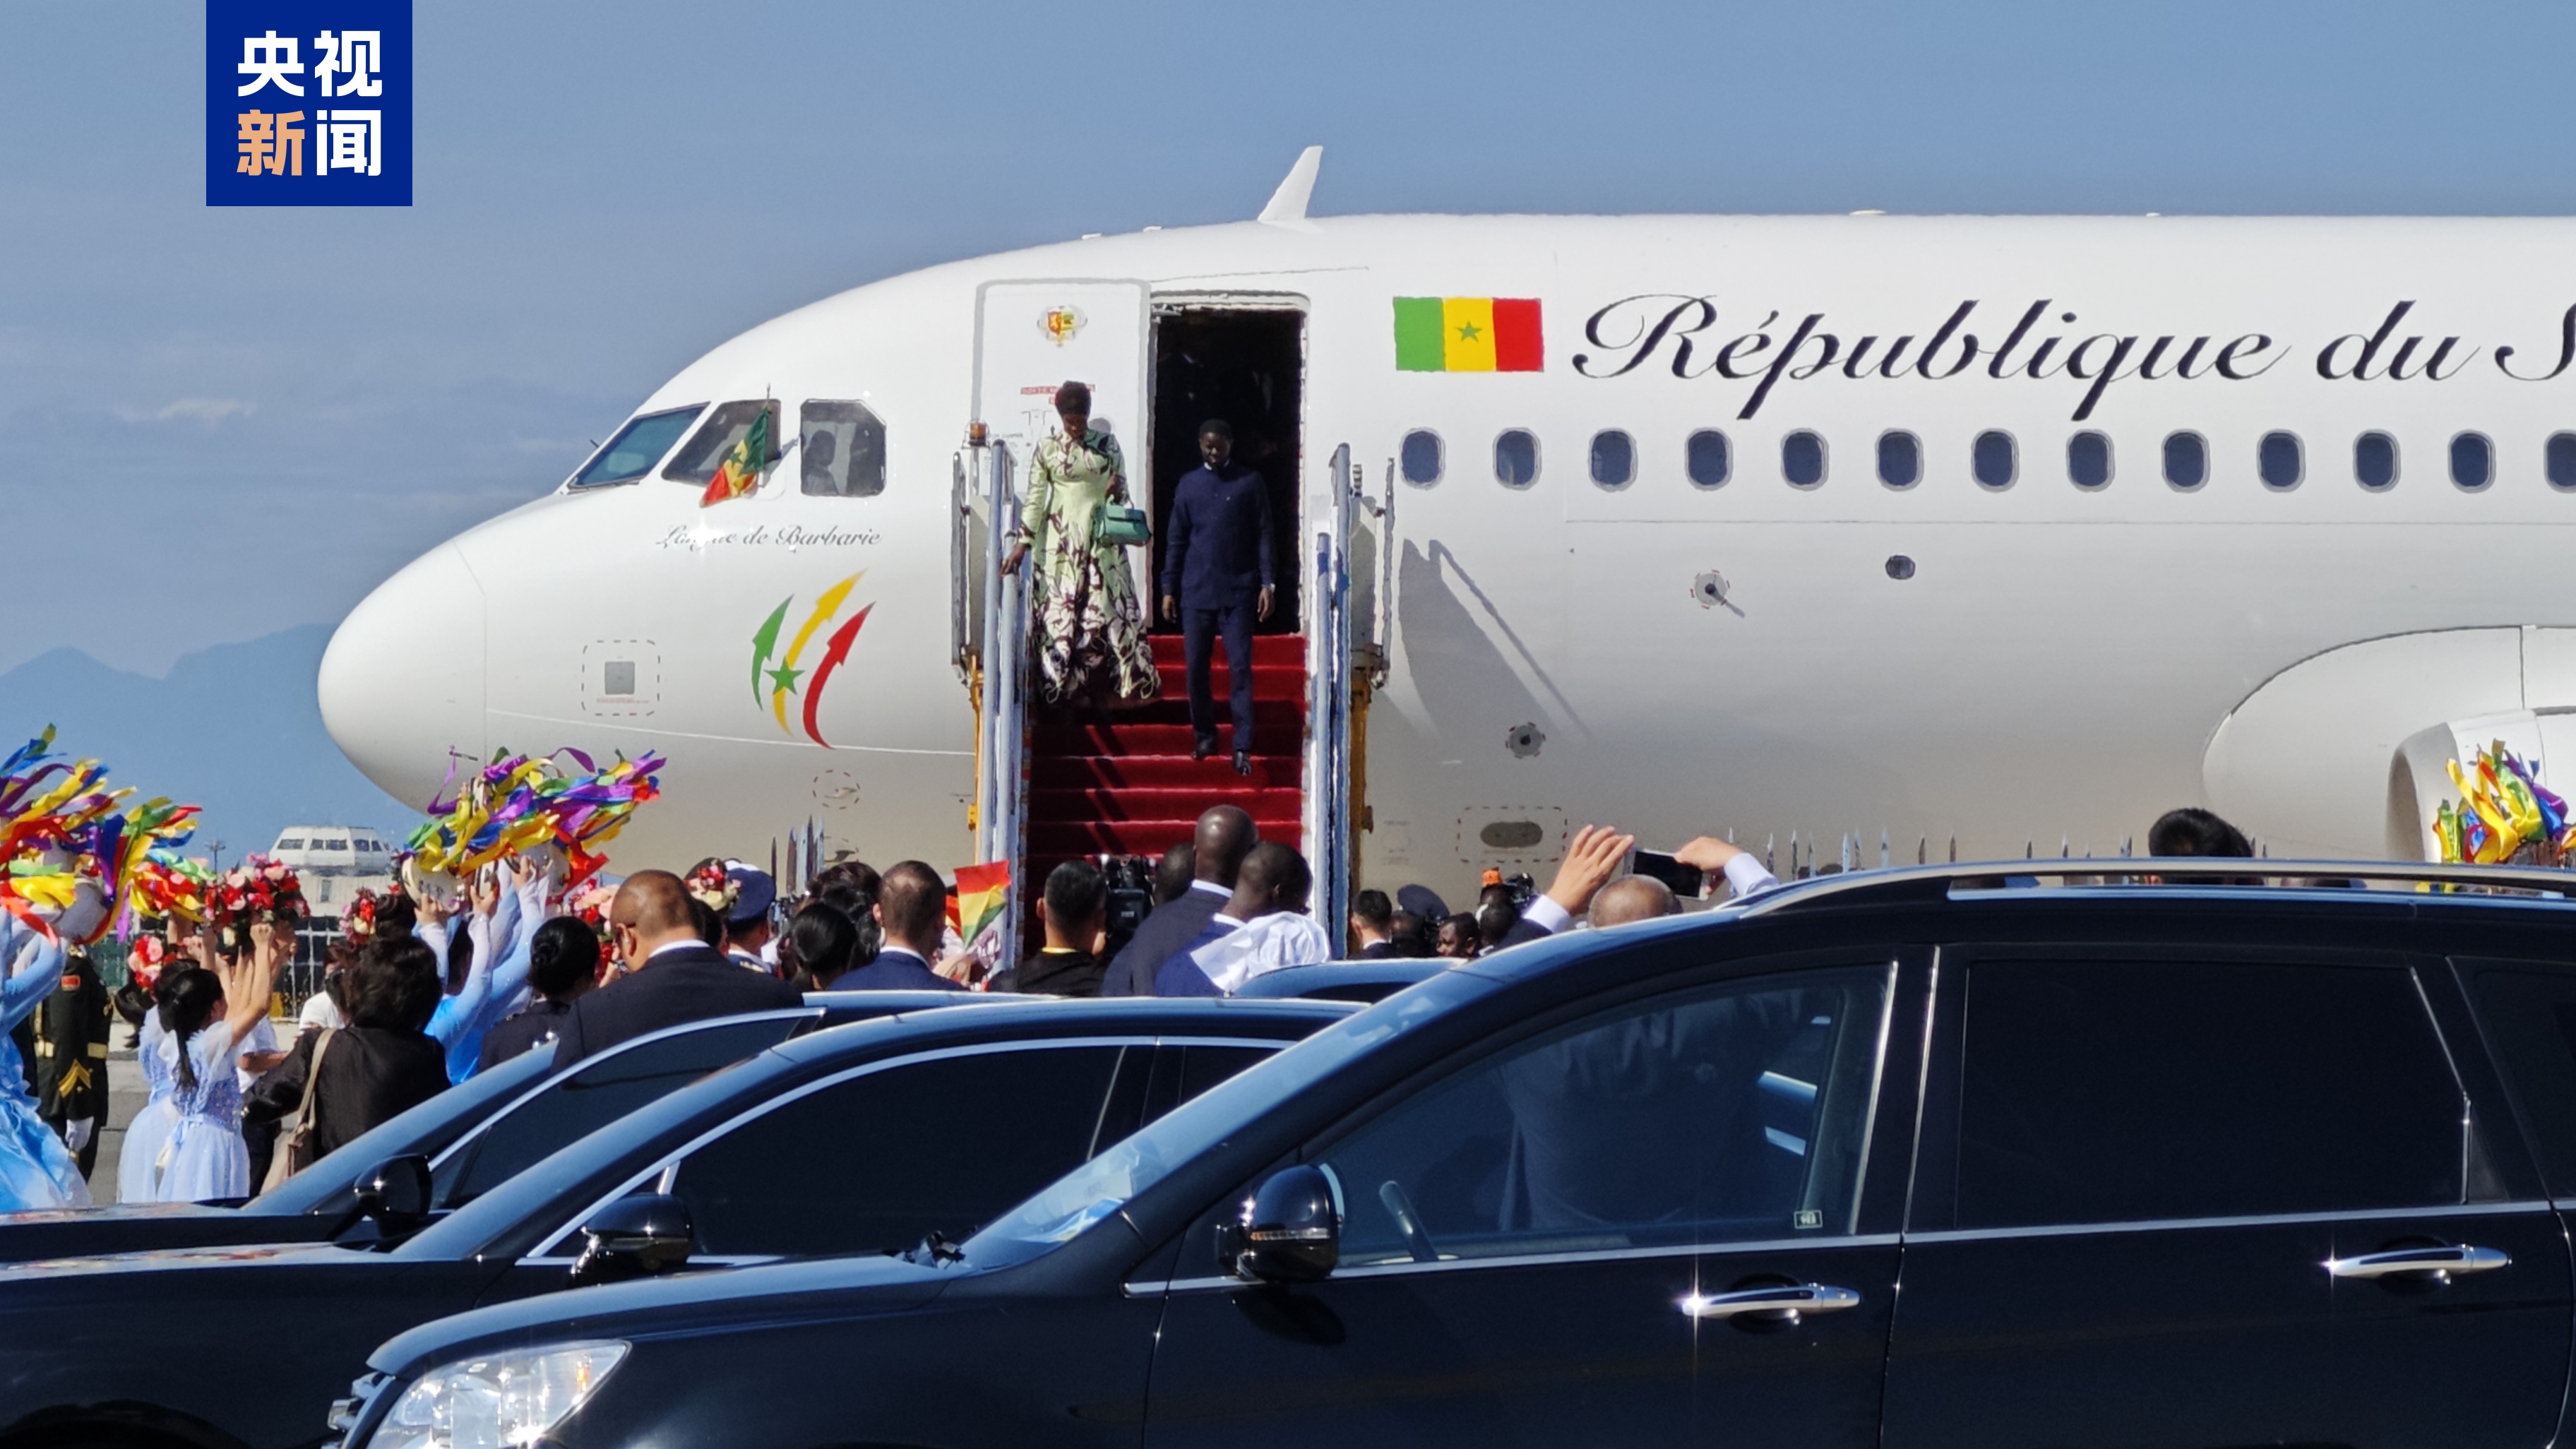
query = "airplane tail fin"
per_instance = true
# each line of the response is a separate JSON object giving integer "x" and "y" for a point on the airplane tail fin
{"x": 1288, "y": 203}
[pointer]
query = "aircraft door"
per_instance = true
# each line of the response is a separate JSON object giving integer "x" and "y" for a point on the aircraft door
{"x": 1032, "y": 337}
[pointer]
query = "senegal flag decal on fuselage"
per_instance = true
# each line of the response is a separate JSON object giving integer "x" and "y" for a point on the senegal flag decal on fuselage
{"x": 1467, "y": 334}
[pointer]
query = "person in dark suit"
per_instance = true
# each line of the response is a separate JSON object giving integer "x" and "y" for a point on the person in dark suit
{"x": 1217, "y": 580}
{"x": 563, "y": 965}
{"x": 1274, "y": 878}
{"x": 912, "y": 905}
{"x": 1372, "y": 926}
{"x": 673, "y": 975}
{"x": 71, "y": 1059}
{"x": 1075, "y": 912}
{"x": 1225, "y": 835}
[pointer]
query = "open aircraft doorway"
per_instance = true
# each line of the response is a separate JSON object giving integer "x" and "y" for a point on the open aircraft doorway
{"x": 1245, "y": 363}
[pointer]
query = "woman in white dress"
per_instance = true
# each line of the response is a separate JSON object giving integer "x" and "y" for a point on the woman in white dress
{"x": 150, "y": 1129}
{"x": 206, "y": 1015}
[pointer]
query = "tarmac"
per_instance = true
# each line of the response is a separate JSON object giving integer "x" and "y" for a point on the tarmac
{"x": 124, "y": 1099}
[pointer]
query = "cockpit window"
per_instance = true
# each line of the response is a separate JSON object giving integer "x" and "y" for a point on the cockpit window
{"x": 637, "y": 447}
{"x": 843, "y": 447}
{"x": 698, "y": 459}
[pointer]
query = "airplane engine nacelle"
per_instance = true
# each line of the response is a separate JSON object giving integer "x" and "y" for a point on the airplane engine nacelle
{"x": 2343, "y": 753}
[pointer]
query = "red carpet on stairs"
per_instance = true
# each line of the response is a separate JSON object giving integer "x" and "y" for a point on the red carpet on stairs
{"x": 1130, "y": 787}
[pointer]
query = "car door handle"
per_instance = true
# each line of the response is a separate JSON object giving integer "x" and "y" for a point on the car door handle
{"x": 2439, "y": 1262}
{"x": 1794, "y": 1301}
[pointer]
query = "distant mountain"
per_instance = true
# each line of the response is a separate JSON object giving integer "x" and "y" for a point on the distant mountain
{"x": 235, "y": 728}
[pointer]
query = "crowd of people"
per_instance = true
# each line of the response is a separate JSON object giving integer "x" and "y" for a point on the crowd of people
{"x": 420, "y": 994}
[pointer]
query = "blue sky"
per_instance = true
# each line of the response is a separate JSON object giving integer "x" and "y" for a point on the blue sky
{"x": 221, "y": 423}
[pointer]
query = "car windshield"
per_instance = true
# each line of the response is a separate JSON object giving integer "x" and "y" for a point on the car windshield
{"x": 637, "y": 447}
{"x": 1105, "y": 1184}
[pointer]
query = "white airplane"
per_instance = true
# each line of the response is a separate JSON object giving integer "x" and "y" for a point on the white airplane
{"x": 1990, "y": 535}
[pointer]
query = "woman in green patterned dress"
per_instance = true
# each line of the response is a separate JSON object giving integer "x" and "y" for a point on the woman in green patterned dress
{"x": 1091, "y": 645}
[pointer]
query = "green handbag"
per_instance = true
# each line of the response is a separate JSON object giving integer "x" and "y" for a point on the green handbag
{"x": 1121, "y": 524}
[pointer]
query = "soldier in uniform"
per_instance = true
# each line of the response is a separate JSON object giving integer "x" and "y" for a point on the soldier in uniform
{"x": 71, "y": 1059}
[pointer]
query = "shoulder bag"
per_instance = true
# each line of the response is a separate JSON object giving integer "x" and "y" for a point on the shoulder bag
{"x": 295, "y": 1135}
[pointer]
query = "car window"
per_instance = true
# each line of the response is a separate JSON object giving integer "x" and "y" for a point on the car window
{"x": 328, "y": 1186}
{"x": 1203, "y": 1067}
{"x": 1729, "y": 1114}
{"x": 2126, "y": 1091}
{"x": 595, "y": 1094}
{"x": 2530, "y": 1022}
{"x": 877, "y": 1162}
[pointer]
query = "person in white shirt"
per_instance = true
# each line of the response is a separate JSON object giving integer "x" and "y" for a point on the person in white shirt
{"x": 1593, "y": 860}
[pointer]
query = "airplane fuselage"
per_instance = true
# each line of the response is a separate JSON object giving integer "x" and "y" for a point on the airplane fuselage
{"x": 1859, "y": 613}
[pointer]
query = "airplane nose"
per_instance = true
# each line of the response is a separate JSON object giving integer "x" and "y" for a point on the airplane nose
{"x": 402, "y": 682}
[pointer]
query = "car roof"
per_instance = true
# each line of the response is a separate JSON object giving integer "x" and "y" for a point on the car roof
{"x": 1039, "y": 1017}
{"x": 2458, "y": 910}
{"x": 1369, "y": 980}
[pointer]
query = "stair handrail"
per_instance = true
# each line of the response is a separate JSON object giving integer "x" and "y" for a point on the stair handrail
{"x": 1001, "y": 796}
{"x": 1328, "y": 700}
{"x": 961, "y": 510}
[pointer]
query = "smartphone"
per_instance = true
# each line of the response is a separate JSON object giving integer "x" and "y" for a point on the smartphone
{"x": 1687, "y": 881}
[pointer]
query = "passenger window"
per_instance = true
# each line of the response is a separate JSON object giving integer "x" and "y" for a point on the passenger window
{"x": 2472, "y": 461}
{"x": 2279, "y": 460}
{"x": 2132, "y": 1091}
{"x": 2530, "y": 1018}
{"x": 1802, "y": 459}
{"x": 1516, "y": 459}
{"x": 1420, "y": 457}
{"x": 877, "y": 1163}
{"x": 596, "y": 1093}
{"x": 292, "y": 842}
{"x": 1706, "y": 459}
{"x": 1614, "y": 459}
{"x": 1900, "y": 460}
{"x": 844, "y": 450}
{"x": 1203, "y": 1067}
{"x": 2374, "y": 461}
{"x": 1991, "y": 458}
{"x": 2560, "y": 460}
{"x": 2088, "y": 461}
{"x": 1731, "y": 1114}
{"x": 698, "y": 458}
{"x": 637, "y": 447}
{"x": 2186, "y": 460}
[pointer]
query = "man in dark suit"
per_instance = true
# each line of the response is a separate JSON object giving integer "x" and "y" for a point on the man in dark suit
{"x": 1217, "y": 580}
{"x": 1225, "y": 835}
{"x": 1372, "y": 926}
{"x": 673, "y": 975}
{"x": 912, "y": 906}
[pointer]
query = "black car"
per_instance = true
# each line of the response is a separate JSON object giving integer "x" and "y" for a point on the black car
{"x": 2155, "y": 1165}
{"x": 474, "y": 1135}
{"x": 1367, "y": 981}
{"x": 873, "y": 1137}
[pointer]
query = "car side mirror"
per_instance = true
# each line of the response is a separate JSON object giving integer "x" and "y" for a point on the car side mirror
{"x": 1290, "y": 1232}
{"x": 641, "y": 1236}
{"x": 397, "y": 1194}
